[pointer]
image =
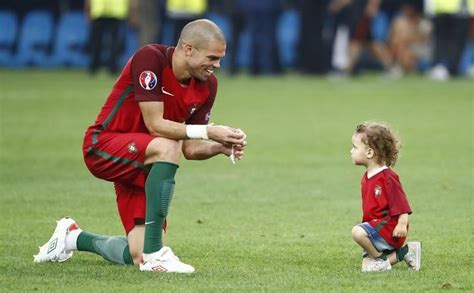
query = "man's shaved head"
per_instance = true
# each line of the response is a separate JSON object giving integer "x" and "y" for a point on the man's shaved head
{"x": 200, "y": 32}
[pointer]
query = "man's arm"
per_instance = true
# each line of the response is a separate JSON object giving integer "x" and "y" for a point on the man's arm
{"x": 203, "y": 150}
{"x": 152, "y": 113}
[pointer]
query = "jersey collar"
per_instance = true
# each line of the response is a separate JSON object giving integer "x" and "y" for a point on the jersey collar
{"x": 375, "y": 172}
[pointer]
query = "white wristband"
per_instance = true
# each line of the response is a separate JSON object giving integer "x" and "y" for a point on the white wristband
{"x": 196, "y": 131}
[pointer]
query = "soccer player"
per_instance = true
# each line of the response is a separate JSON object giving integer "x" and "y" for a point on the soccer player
{"x": 158, "y": 108}
{"x": 384, "y": 226}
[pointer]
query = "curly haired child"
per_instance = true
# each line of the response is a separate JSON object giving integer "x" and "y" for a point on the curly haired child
{"x": 384, "y": 226}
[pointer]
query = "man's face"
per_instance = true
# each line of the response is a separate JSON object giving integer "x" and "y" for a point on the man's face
{"x": 359, "y": 151}
{"x": 202, "y": 62}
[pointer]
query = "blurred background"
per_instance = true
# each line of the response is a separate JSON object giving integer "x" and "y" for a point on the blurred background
{"x": 337, "y": 38}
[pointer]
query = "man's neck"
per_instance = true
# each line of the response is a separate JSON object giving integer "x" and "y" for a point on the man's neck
{"x": 179, "y": 71}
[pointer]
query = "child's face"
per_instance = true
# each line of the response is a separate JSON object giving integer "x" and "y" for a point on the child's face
{"x": 360, "y": 152}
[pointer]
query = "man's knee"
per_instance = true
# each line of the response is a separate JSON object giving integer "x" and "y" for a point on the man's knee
{"x": 135, "y": 242}
{"x": 136, "y": 256}
{"x": 163, "y": 149}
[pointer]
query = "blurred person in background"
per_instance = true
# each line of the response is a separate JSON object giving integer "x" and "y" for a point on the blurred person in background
{"x": 369, "y": 23}
{"x": 180, "y": 12}
{"x": 409, "y": 37}
{"x": 149, "y": 20}
{"x": 311, "y": 50}
{"x": 261, "y": 17}
{"x": 107, "y": 18}
{"x": 451, "y": 29}
{"x": 233, "y": 10}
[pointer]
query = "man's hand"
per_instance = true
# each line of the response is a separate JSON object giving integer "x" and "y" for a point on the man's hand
{"x": 234, "y": 152}
{"x": 226, "y": 135}
{"x": 400, "y": 231}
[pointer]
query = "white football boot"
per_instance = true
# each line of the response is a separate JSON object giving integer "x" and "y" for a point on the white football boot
{"x": 376, "y": 265}
{"x": 413, "y": 256}
{"x": 165, "y": 261}
{"x": 54, "y": 250}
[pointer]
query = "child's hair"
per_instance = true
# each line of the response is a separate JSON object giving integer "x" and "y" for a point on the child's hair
{"x": 379, "y": 137}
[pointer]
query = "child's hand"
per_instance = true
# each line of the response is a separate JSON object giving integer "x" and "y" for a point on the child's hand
{"x": 400, "y": 231}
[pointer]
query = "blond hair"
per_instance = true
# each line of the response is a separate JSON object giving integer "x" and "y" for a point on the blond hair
{"x": 379, "y": 137}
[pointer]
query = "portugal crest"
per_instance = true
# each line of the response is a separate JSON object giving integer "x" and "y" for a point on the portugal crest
{"x": 132, "y": 148}
{"x": 378, "y": 191}
{"x": 148, "y": 80}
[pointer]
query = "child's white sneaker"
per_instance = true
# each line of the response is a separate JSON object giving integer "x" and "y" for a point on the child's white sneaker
{"x": 376, "y": 265}
{"x": 55, "y": 249}
{"x": 164, "y": 260}
{"x": 413, "y": 256}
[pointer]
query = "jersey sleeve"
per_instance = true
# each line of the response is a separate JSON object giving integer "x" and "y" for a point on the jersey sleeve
{"x": 146, "y": 70}
{"x": 203, "y": 114}
{"x": 397, "y": 199}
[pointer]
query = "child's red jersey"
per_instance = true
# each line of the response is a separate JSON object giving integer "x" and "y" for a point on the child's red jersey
{"x": 383, "y": 200}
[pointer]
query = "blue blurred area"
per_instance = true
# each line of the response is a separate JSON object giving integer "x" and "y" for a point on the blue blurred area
{"x": 42, "y": 38}
{"x": 56, "y": 34}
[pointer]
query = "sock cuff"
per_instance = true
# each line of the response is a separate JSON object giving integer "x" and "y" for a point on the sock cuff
{"x": 71, "y": 238}
{"x": 166, "y": 163}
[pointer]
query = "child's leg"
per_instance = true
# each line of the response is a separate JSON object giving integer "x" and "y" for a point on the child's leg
{"x": 361, "y": 237}
{"x": 398, "y": 255}
{"x": 392, "y": 257}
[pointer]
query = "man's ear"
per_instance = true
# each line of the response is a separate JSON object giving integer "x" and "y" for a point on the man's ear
{"x": 370, "y": 153}
{"x": 188, "y": 49}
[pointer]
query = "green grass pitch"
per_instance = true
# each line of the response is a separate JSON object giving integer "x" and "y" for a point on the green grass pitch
{"x": 279, "y": 220}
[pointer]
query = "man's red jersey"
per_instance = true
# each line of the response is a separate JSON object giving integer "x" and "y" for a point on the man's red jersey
{"x": 148, "y": 76}
{"x": 383, "y": 200}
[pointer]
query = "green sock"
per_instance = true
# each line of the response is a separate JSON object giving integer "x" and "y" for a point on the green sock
{"x": 401, "y": 252}
{"x": 112, "y": 248}
{"x": 159, "y": 189}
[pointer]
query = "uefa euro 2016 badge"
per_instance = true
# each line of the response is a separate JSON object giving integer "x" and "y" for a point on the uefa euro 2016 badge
{"x": 378, "y": 191}
{"x": 132, "y": 148}
{"x": 148, "y": 80}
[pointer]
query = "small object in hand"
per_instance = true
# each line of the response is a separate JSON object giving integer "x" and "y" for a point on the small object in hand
{"x": 232, "y": 156}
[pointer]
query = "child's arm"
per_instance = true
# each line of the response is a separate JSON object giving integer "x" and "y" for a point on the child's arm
{"x": 401, "y": 228}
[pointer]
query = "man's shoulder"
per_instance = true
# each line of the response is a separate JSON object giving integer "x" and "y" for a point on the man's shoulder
{"x": 157, "y": 52}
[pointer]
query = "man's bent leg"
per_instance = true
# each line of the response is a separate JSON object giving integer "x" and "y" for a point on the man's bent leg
{"x": 159, "y": 192}
{"x": 163, "y": 155}
{"x": 135, "y": 242}
{"x": 68, "y": 237}
{"x": 111, "y": 248}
